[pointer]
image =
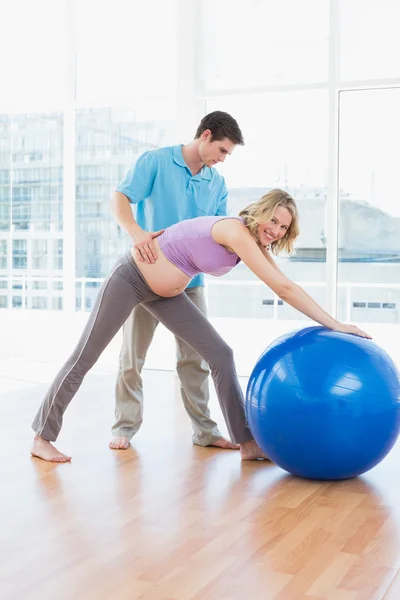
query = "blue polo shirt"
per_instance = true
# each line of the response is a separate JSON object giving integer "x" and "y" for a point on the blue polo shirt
{"x": 165, "y": 192}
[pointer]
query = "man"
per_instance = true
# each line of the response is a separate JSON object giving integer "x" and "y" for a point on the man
{"x": 169, "y": 185}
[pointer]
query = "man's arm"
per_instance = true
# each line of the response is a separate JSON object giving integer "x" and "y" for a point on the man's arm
{"x": 142, "y": 240}
{"x": 136, "y": 187}
{"x": 121, "y": 208}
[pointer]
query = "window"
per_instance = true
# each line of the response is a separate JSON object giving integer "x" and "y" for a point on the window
{"x": 38, "y": 51}
{"x": 269, "y": 302}
{"x": 285, "y": 146}
{"x": 105, "y": 132}
{"x": 101, "y": 67}
{"x": 17, "y": 302}
{"x": 391, "y": 305}
{"x": 57, "y": 303}
{"x": 39, "y": 254}
{"x": 5, "y": 170}
{"x": 58, "y": 254}
{"x": 19, "y": 258}
{"x": 373, "y": 304}
{"x": 39, "y": 302}
{"x": 4, "y": 176}
{"x": 369, "y": 210}
{"x": 37, "y": 191}
{"x": 5, "y": 215}
{"x": 369, "y": 40}
{"x": 380, "y": 305}
{"x": 3, "y": 254}
{"x": 262, "y": 43}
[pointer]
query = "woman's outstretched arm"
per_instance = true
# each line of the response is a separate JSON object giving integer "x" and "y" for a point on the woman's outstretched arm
{"x": 234, "y": 235}
{"x": 272, "y": 262}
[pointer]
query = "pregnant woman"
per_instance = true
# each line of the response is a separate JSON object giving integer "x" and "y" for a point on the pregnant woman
{"x": 212, "y": 245}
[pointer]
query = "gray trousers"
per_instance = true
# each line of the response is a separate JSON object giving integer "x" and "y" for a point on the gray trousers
{"x": 120, "y": 293}
{"x": 193, "y": 372}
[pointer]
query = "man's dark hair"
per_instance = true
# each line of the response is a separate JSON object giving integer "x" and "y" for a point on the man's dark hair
{"x": 221, "y": 125}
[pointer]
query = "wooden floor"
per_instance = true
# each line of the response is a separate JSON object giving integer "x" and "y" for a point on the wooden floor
{"x": 166, "y": 520}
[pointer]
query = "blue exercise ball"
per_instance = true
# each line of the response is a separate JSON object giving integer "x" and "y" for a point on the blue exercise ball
{"x": 324, "y": 405}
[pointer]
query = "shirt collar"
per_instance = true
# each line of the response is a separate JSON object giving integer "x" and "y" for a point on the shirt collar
{"x": 204, "y": 173}
{"x": 178, "y": 156}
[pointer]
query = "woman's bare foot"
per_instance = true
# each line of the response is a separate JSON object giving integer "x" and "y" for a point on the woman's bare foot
{"x": 43, "y": 449}
{"x": 251, "y": 451}
{"x": 120, "y": 443}
{"x": 225, "y": 444}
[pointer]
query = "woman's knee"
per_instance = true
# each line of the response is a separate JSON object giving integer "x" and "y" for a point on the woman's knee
{"x": 223, "y": 357}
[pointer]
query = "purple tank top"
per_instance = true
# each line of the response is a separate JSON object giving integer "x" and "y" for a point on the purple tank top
{"x": 190, "y": 246}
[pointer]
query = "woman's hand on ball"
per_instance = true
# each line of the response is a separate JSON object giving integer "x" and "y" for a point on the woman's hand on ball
{"x": 343, "y": 328}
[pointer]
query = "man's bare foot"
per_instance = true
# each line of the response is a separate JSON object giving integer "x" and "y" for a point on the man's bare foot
{"x": 251, "y": 451}
{"x": 120, "y": 443}
{"x": 43, "y": 449}
{"x": 225, "y": 444}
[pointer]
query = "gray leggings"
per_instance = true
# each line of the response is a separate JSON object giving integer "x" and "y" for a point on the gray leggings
{"x": 120, "y": 293}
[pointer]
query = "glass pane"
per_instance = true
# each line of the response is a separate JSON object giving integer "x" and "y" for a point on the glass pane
{"x": 5, "y": 204}
{"x": 33, "y": 53}
{"x": 20, "y": 254}
{"x": 17, "y": 302}
{"x": 369, "y": 225}
{"x": 108, "y": 142}
{"x": 5, "y": 173}
{"x": 286, "y": 137}
{"x": 3, "y": 255}
{"x": 58, "y": 249}
{"x": 125, "y": 49}
{"x": 57, "y": 303}
{"x": 37, "y": 181}
{"x": 39, "y": 302}
{"x": 31, "y": 204}
{"x": 254, "y": 44}
{"x": 369, "y": 39}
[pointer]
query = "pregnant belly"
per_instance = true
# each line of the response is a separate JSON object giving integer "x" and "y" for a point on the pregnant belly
{"x": 164, "y": 278}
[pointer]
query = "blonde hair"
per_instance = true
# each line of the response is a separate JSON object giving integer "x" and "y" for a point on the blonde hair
{"x": 260, "y": 212}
